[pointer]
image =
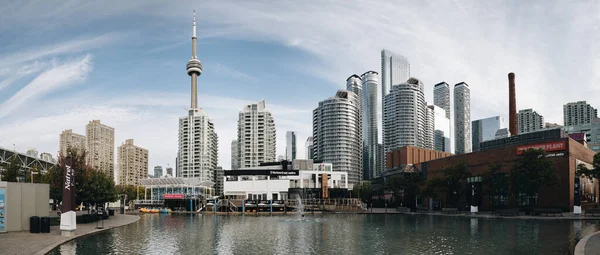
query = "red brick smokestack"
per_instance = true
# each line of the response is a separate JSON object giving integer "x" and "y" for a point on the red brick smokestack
{"x": 512, "y": 105}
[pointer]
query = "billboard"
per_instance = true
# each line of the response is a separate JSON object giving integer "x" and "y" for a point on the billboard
{"x": 173, "y": 196}
{"x": 2, "y": 210}
{"x": 68, "y": 195}
{"x": 548, "y": 147}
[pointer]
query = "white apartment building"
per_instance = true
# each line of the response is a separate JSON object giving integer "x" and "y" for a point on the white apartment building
{"x": 133, "y": 163}
{"x": 529, "y": 120}
{"x": 256, "y": 135}
{"x": 198, "y": 146}
{"x": 309, "y": 147}
{"x": 337, "y": 136}
{"x": 441, "y": 97}
{"x": 462, "y": 118}
{"x": 577, "y": 113}
{"x": 235, "y": 157}
{"x": 100, "y": 147}
{"x": 405, "y": 116}
{"x": 68, "y": 139}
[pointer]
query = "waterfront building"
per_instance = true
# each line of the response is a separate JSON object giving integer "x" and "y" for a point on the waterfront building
{"x": 442, "y": 140}
{"x": 100, "y": 147}
{"x": 370, "y": 132}
{"x": 158, "y": 171}
{"x": 486, "y": 129}
{"x": 174, "y": 192}
{"x": 405, "y": 116}
{"x": 309, "y": 147}
{"x": 577, "y": 113}
{"x": 565, "y": 153}
{"x": 133, "y": 163}
{"x": 283, "y": 180}
{"x": 462, "y": 118}
{"x": 290, "y": 145}
{"x": 529, "y": 120}
{"x": 32, "y": 153}
{"x": 198, "y": 140}
{"x": 256, "y": 135}
{"x": 68, "y": 140}
{"x": 235, "y": 157}
{"x": 337, "y": 136}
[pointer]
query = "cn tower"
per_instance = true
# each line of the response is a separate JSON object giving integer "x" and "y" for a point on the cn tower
{"x": 194, "y": 68}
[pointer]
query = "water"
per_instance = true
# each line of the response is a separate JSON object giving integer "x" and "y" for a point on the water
{"x": 333, "y": 234}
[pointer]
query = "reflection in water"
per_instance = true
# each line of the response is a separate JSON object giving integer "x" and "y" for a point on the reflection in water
{"x": 333, "y": 234}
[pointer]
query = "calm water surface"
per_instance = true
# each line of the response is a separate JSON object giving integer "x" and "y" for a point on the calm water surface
{"x": 333, "y": 234}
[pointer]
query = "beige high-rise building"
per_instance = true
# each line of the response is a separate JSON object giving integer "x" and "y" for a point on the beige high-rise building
{"x": 256, "y": 135}
{"x": 68, "y": 139}
{"x": 133, "y": 163}
{"x": 101, "y": 147}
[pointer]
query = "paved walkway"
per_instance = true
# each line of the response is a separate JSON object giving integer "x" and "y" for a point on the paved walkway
{"x": 25, "y": 243}
{"x": 589, "y": 245}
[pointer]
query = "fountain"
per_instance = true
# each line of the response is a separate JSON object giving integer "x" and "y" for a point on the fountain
{"x": 300, "y": 209}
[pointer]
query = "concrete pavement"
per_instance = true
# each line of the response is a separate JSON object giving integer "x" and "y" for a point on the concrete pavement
{"x": 25, "y": 243}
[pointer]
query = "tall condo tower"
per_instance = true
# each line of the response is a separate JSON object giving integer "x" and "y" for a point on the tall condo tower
{"x": 290, "y": 145}
{"x": 337, "y": 135}
{"x": 512, "y": 105}
{"x": 405, "y": 116}
{"x": 133, "y": 163}
{"x": 101, "y": 147}
{"x": 441, "y": 97}
{"x": 256, "y": 135}
{"x": 370, "y": 134}
{"x": 395, "y": 69}
{"x": 578, "y": 113}
{"x": 529, "y": 121}
{"x": 462, "y": 118}
{"x": 309, "y": 147}
{"x": 235, "y": 157}
{"x": 198, "y": 141}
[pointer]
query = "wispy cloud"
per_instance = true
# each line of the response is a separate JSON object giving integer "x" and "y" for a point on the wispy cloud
{"x": 57, "y": 77}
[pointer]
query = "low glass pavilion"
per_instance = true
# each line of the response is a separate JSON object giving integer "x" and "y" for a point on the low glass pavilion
{"x": 157, "y": 190}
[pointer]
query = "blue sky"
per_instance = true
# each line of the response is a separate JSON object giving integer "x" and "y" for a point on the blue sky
{"x": 64, "y": 63}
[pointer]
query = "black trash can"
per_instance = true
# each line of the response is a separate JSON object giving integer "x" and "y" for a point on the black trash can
{"x": 34, "y": 224}
{"x": 45, "y": 225}
{"x": 111, "y": 212}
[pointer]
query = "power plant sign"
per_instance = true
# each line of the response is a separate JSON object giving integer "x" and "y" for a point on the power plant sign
{"x": 547, "y": 147}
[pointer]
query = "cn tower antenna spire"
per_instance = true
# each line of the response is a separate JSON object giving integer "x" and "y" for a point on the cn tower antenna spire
{"x": 194, "y": 68}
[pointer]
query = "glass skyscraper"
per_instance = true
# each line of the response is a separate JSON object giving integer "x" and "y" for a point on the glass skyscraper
{"x": 371, "y": 166}
{"x": 485, "y": 130}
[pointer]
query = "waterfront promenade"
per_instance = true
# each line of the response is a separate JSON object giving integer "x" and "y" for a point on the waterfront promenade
{"x": 589, "y": 245}
{"x": 25, "y": 243}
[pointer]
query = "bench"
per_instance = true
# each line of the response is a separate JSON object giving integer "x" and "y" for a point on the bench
{"x": 422, "y": 209}
{"x": 403, "y": 209}
{"x": 548, "y": 211}
{"x": 507, "y": 212}
{"x": 450, "y": 210}
{"x": 592, "y": 211}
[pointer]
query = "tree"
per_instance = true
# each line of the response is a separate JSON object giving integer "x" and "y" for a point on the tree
{"x": 455, "y": 177}
{"x": 130, "y": 191}
{"x": 363, "y": 192}
{"x": 12, "y": 169}
{"x": 434, "y": 186}
{"x": 594, "y": 172}
{"x": 494, "y": 182}
{"x": 405, "y": 186}
{"x": 532, "y": 171}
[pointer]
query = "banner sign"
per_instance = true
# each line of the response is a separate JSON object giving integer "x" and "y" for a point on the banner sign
{"x": 577, "y": 193}
{"x": 552, "y": 146}
{"x": 2, "y": 210}
{"x": 68, "y": 195}
{"x": 252, "y": 172}
{"x": 173, "y": 196}
{"x": 324, "y": 188}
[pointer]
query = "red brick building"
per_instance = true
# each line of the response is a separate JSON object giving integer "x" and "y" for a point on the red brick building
{"x": 410, "y": 155}
{"x": 565, "y": 152}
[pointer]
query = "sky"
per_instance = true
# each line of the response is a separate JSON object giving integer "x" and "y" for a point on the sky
{"x": 65, "y": 63}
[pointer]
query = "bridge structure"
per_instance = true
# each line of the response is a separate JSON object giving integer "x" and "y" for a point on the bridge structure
{"x": 26, "y": 162}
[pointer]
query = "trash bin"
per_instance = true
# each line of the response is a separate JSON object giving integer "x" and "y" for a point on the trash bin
{"x": 34, "y": 224}
{"x": 45, "y": 225}
{"x": 111, "y": 212}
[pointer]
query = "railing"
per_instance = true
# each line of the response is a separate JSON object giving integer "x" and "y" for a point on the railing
{"x": 232, "y": 207}
{"x": 148, "y": 202}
